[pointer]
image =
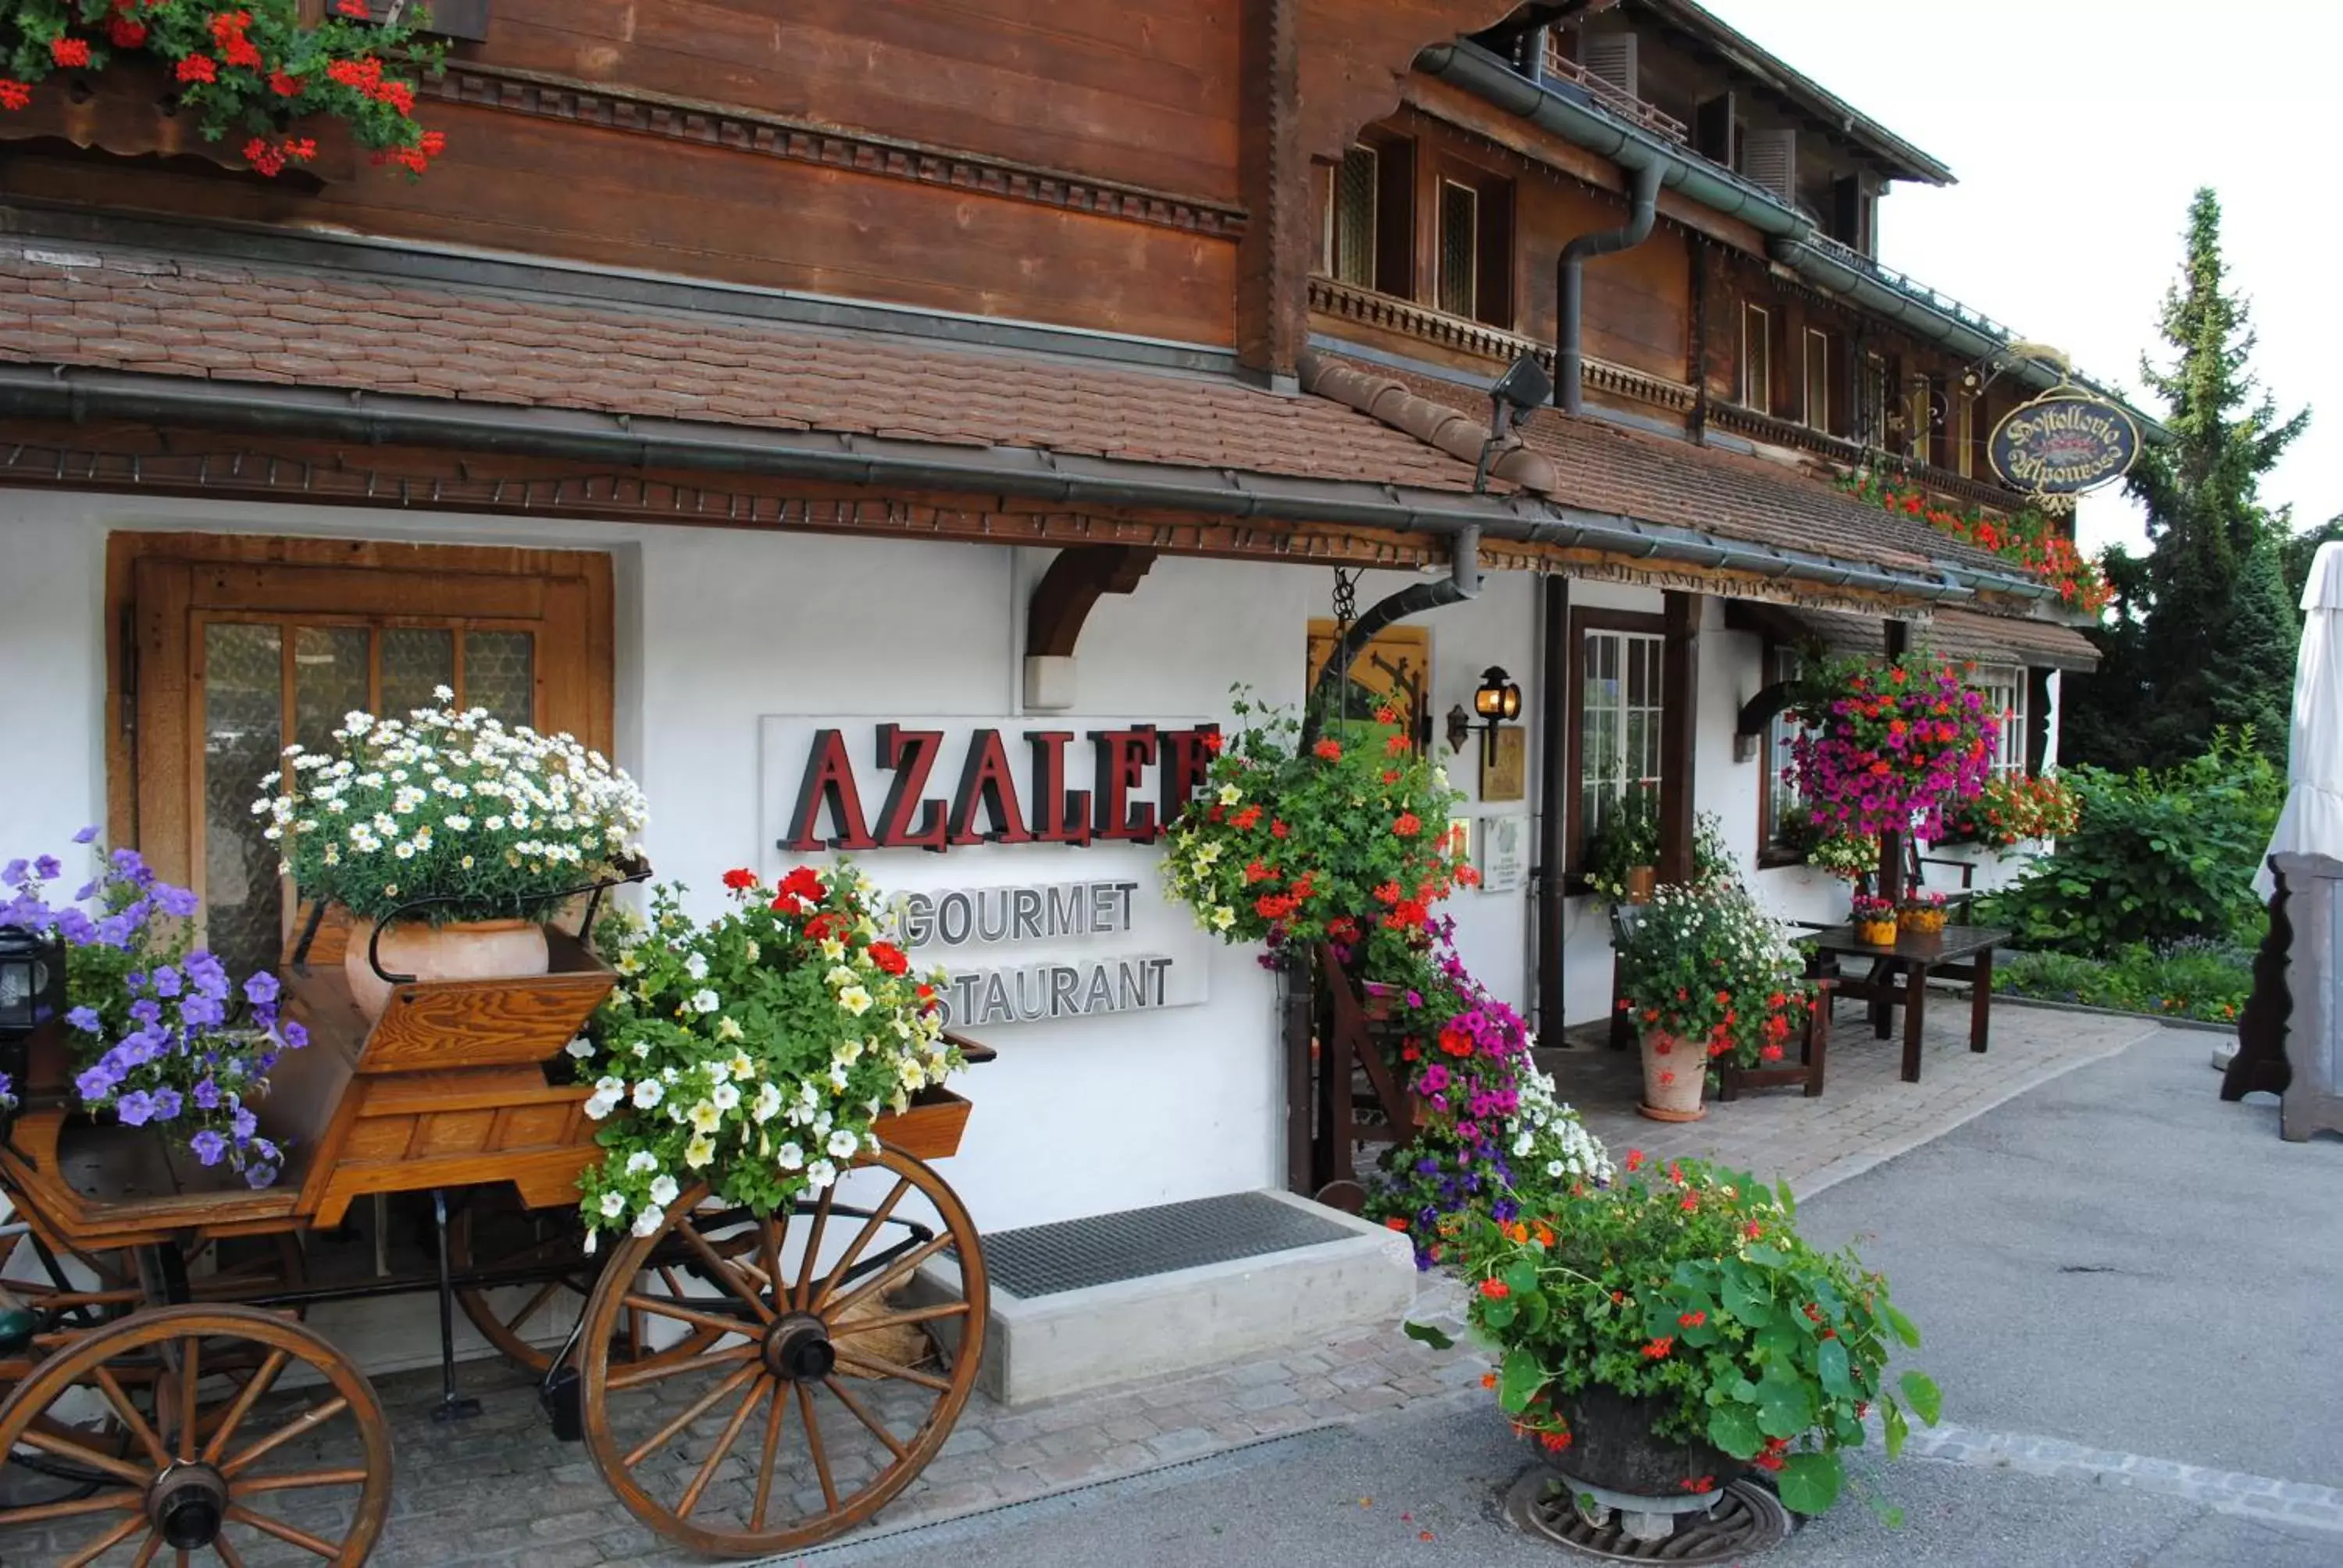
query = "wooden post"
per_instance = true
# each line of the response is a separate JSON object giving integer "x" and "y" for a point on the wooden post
{"x": 1680, "y": 725}
{"x": 1298, "y": 999}
{"x": 1554, "y": 787}
{"x": 1889, "y": 884}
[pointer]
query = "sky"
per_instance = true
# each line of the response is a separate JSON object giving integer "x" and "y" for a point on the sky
{"x": 2078, "y": 130}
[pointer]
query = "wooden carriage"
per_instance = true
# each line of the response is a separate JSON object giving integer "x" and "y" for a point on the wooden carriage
{"x": 167, "y": 1395}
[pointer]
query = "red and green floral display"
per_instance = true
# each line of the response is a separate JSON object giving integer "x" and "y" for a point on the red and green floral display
{"x": 1705, "y": 972}
{"x": 2013, "y": 807}
{"x": 1344, "y": 840}
{"x": 2026, "y": 536}
{"x": 1691, "y": 1288}
{"x": 1885, "y": 746}
{"x": 252, "y": 67}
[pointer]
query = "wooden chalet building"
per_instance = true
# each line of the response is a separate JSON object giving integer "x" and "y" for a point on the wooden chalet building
{"x": 745, "y": 371}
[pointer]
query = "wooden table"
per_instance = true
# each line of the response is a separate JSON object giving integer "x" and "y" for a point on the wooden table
{"x": 1956, "y": 952}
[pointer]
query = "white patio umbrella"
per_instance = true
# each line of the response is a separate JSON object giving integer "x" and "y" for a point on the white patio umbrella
{"x": 2312, "y": 822}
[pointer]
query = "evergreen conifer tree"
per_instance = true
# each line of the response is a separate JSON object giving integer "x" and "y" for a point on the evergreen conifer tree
{"x": 2205, "y": 631}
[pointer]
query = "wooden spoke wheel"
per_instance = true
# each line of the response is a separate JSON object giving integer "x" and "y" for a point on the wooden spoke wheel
{"x": 521, "y": 1322}
{"x": 297, "y": 1455}
{"x": 795, "y": 1324}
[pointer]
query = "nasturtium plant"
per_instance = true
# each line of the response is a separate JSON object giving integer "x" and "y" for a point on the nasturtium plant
{"x": 1691, "y": 1288}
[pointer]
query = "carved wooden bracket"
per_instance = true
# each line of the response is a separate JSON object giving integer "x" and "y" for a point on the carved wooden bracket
{"x": 1062, "y": 598}
{"x": 1759, "y": 710}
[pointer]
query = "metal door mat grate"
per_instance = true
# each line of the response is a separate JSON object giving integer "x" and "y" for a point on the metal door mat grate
{"x": 1075, "y": 1254}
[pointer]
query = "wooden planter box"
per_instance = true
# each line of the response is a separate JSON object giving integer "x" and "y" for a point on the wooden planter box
{"x": 132, "y": 108}
{"x": 1813, "y": 1049}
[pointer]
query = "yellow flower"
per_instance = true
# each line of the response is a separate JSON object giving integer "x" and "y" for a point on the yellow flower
{"x": 699, "y": 1152}
{"x": 1223, "y": 918}
{"x": 1231, "y": 794}
{"x": 855, "y": 1000}
{"x": 706, "y": 1118}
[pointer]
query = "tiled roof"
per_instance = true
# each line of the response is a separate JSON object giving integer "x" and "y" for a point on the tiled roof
{"x": 1963, "y": 635}
{"x": 1606, "y": 467}
{"x": 159, "y": 315}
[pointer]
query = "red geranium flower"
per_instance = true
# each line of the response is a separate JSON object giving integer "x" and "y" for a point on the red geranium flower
{"x": 69, "y": 51}
{"x": 198, "y": 68}
{"x": 740, "y": 877}
{"x": 889, "y": 957}
{"x": 1331, "y": 751}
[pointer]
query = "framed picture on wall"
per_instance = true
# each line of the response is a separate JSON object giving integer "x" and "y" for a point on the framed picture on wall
{"x": 1503, "y": 855}
{"x": 1504, "y": 765}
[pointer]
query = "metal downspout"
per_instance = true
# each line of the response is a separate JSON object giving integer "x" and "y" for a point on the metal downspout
{"x": 1463, "y": 582}
{"x": 1570, "y": 276}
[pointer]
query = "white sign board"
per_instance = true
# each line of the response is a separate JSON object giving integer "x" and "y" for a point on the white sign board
{"x": 1502, "y": 858}
{"x": 1020, "y": 855}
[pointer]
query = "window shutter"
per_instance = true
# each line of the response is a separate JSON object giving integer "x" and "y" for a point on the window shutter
{"x": 1770, "y": 158}
{"x": 1612, "y": 57}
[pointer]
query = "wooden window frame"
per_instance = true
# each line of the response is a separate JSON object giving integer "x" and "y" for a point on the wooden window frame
{"x": 1583, "y": 621}
{"x": 1757, "y": 381}
{"x": 1778, "y": 662}
{"x": 1495, "y": 288}
{"x": 2011, "y": 756}
{"x": 158, "y": 584}
{"x": 1441, "y": 280}
{"x": 1328, "y": 259}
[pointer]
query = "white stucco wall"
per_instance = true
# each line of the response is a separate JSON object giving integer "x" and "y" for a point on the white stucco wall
{"x": 717, "y": 628}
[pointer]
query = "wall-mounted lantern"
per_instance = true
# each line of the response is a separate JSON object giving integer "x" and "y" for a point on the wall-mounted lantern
{"x": 1498, "y": 701}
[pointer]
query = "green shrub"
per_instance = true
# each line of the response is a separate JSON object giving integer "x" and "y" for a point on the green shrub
{"x": 2194, "y": 979}
{"x": 2160, "y": 856}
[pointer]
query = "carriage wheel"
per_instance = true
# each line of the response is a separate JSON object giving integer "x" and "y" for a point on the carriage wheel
{"x": 487, "y": 1234}
{"x": 308, "y": 1465}
{"x": 826, "y": 1428}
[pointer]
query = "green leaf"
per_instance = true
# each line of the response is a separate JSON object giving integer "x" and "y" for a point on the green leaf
{"x": 1920, "y": 1393}
{"x": 1830, "y": 1365}
{"x": 1781, "y": 1191}
{"x": 1521, "y": 1277}
{"x": 1903, "y": 1327}
{"x": 1522, "y": 1375}
{"x": 1425, "y": 1333}
{"x": 1810, "y": 1482}
{"x": 1763, "y": 1254}
{"x": 1784, "y": 1408}
{"x": 1500, "y": 1312}
{"x": 1537, "y": 1308}
{"x": 1746, "y": 1302}
{"x": 1898, "y": 1429}
{"x": 1734, "y": 1428}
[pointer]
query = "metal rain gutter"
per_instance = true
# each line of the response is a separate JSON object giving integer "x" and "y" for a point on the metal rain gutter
{"x": 79, "y": 395}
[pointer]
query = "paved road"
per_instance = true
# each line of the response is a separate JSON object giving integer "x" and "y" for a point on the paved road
{"x": 2115, "y": 1258}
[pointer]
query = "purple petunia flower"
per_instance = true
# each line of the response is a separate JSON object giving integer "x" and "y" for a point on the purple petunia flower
{"x": 15, "y": 872}
{"x": 260, "y": 987}
{"x": 47, "y": 869}
{"x": 134, "y": 1108}
{"x": 178, "y": 901}
{"x": 295, "y": 1037}
{"x": 96, "y": 1082}
{"x": 83, "y": 1019}
{"x": 166, "y": 982}
{"x": 208, "y": 1096}
{"x": 209, "y": 1147}
{"x": 87, "y": 835}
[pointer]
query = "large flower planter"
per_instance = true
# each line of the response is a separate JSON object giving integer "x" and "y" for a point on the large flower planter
{"x": 460, "y": 951}
{"x": 1675, "y": 1073}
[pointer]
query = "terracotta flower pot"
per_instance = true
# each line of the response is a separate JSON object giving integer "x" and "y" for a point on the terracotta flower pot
{"x": 461, "y": 949}
{"x": 1676, "y": 1071}
{"x": 1641, "y": 880}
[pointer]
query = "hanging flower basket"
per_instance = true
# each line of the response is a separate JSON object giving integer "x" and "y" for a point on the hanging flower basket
{"x": 255, "y": 82}
{"x": 1884, "y": 747}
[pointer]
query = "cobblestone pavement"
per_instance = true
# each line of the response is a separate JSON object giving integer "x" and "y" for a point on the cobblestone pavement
{"x": 500, "y": 1489}
{"x": 1867, "y": 1113}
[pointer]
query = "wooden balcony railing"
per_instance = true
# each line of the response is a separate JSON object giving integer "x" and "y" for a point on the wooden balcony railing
{"x": 1560, "y": 66}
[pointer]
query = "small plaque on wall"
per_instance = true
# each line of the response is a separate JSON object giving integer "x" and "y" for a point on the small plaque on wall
{"x": 1502, "y": 858}
{"x": 1504, "y": 765}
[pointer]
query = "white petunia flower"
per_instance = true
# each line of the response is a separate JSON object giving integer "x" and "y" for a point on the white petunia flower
{"x": 581, "y": 1048}
{"x": 664, "y": 1190}
{"x": 820, "y": 1174}
{"x": 613, "y": 1205}
{"x": 647, "y": 1222}
{"x": 843, "y": 1145}
{"x": 788, "y": 1157}
{"x": 724, "y": 1096}
{"x": 768, "y": 1103}
{"x": 640, "y": 1161}
{"x": 706, "y": 1002}
{"x": 696, "y": 966}
{"x": 649, "y": 1093}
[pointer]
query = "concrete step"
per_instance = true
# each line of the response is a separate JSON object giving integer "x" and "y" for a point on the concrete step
{"x": 1147, "y": 1293}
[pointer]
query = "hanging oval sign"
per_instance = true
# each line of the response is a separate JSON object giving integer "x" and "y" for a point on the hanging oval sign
{"x": 2064, "y": 443}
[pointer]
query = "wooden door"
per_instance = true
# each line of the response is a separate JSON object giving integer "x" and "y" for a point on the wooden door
{"x": 241, "y": 646}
